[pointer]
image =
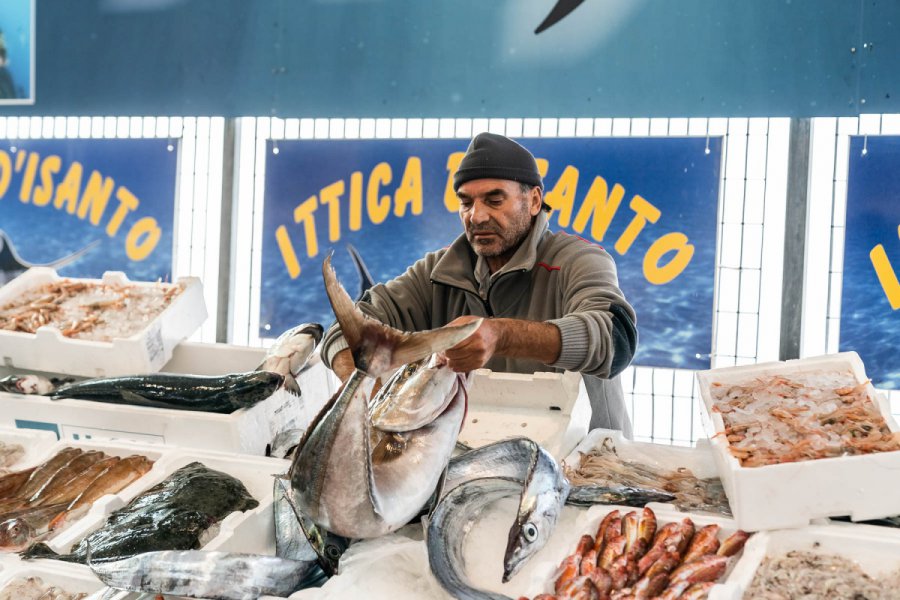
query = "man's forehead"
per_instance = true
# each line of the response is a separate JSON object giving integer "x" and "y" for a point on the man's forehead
{"x": 480, "y": 187}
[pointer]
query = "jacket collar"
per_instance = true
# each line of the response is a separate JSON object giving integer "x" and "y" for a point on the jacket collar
{"x": 457, "y": 266}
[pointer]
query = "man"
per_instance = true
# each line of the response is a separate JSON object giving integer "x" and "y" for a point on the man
{"x": 552, "y": 299}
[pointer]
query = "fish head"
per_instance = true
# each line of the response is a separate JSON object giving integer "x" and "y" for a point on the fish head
{"x": 15, "y": 534}
{"x": 289, "y": 353}
{"x": 541, "y": 503}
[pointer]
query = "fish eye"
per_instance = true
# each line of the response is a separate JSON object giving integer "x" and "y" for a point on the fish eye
{"x": 332, "y": 552}
{"x": 530, "y": 532}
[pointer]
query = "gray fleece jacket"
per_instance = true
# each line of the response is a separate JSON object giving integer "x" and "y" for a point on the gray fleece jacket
{"x": 553, "y": 277}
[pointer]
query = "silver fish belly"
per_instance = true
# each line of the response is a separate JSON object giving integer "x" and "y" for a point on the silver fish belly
{"x": 414, "y": 396}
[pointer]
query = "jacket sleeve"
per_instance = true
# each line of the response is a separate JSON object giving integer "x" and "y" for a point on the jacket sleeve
{"x": 598, "y": 331}
{"x": 404, "y": 303}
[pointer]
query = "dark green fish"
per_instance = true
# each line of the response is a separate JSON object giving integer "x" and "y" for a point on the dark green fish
{"x": 222, "y": 394}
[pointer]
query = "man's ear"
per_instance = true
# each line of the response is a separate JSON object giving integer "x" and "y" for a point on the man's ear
{"x": 536, "y": 200}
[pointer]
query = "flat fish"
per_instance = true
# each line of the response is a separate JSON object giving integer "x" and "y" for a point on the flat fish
{"x": 290, "y": 353}
{"x": 171, "y": 515}
{"x": 351, "y": 479}
{"x": 197, "y": 574}
{"x": 220, "y": 394}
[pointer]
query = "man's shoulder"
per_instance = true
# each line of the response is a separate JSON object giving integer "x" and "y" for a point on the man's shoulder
{"x": 564, "y": 244}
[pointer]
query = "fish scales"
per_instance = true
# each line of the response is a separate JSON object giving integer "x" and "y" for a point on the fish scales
{"x": 169, "y": 516}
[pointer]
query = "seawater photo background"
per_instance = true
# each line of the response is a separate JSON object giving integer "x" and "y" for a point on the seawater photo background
{"x": 869, "y": 325}
{"x": 676, "y": 175}
{"x": 45, "y": 234}
{"x": 17, "y": 24}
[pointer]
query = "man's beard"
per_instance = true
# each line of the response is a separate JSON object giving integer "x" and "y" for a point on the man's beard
{"x": 509, "y": 239}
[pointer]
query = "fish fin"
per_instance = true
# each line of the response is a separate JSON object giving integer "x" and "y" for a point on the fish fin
{"x": 350, "y": 318}
{"x": 290, "y": 385}
{"x": 560, "y": 10}
{"x": 417, "y": 346}
{"x": 365, "y": 278}
{"x": 130, "y": 397}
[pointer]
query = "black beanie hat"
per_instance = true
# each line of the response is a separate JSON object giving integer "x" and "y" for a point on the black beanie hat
{"x": 492, "y": 156}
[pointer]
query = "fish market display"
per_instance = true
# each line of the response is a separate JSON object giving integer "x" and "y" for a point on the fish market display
{"x": 10, "y": 454}
{"x": 222, "y": 394}
{"x": 172, "y": 515}
{"x": 88, "y": 310}
{"x": 352, "y": 479}
{"x": 807, "y": 576}
{"x": 817, "y": 414}
{"x": 39, "y": 501}
{"x": 603, "y": 466}
{"x": 31, "y": 384}
{"x": 290, "y": 352}
{"x": 197, "y": 574}
{"x": 630, "y": 557}
{"x": 33, "y": 588}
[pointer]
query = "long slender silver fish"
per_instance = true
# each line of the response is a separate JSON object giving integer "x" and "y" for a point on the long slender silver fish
{"x": 348, "y": 478}
{"x": 290, "y": 352}
{"x": 198, "y": 574}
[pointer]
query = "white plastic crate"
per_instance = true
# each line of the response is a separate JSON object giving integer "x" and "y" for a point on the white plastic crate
{"x": 245, "y": 431}
{"x": 144, "y": 352}
{"x": 34, "y": 442}
{"x": 70, "y": 577}
{"x": 550, "y": 408}
{"x": 794, "y": 494}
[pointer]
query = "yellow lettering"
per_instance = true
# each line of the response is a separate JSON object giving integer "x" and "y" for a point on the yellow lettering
{"x": 287, "y": 252}
{"x": 49, "y": 167}
{"x": 378, "y": 207}
{"x": 644, "y": 211}
{"x": 142, "y": 238}
{"x": 356, "y": 185}
{"x": 303, "y": 213}
{"x": 886, "y": 275}
{"x": 67, "y": 191}
{"x": 410, "y": 190}
{"x": 5, "y": 172}
{"x": 562, "y": 196}
{"x": 450, "y": 199}
{"x": 331, "y": 195}
{"x": 127, "y": 203}
{"x": 600, "y": 203}
{"x": 675, "y": 241}
{"x": 543, "y": 166}
{"x": 28, "y": 178}
{"x": 95, "y": 197}
{"x": 20, "y": 160}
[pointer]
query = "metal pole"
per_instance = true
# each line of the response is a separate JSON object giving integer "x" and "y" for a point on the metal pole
{"x": 223, "y": 316}
{"x": 795, "y": 239}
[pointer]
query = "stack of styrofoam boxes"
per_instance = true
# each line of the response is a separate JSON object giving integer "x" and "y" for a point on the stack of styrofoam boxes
{"x": 788, "y": 503}
{"x": 144, "y": 352}
{"x": 252, "y": 531}
{"x": 550, "y": 408}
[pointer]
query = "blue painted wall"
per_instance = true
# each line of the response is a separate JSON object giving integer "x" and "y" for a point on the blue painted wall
{"x": 408, "y": 58}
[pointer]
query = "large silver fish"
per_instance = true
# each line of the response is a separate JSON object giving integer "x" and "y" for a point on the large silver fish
{"x": 414, "y": 396}
{"x": 290, "y": 352}
{"x": 348, "y": 477}
{"x": 198, "y": 574}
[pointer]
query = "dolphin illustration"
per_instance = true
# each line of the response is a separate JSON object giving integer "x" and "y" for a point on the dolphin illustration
{"x": 12, "y": 265}
{"x": 560, "y": 11}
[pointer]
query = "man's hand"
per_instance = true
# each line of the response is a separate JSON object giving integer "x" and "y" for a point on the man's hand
{"x": 476, "y": 350}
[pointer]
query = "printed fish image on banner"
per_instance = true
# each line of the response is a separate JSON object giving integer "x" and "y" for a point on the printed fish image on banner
{"x": 870, "y": 293}
{"x": 651, "y": 202}
{"x": 87, "y": 206}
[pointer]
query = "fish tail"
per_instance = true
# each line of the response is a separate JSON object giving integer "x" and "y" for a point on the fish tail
{"x": 378, "y": 348}
{"x": 39, "y": 550}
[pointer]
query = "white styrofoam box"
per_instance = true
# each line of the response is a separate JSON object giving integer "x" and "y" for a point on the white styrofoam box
{"x": 246, "y": 431}
{"x": 72, "y": 578}
{"x": 550, "y": 408}
{"x": 793, "y": 494}
{"x": 33, "y": 441}
{"x": 251, "y": 531}
{"x": 699, "y": 459}
{"x": 395, "y": 567}
{"x": 875, "y": 549}
{"x": 144, "y": 352}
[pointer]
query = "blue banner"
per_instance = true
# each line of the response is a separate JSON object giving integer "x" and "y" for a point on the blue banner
{"x": 86, "y": 206}
{"x": 870, "y": 321}
{"x": 651, "y": 202}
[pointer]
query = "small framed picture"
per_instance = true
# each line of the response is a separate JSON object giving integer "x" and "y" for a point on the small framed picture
{"x": 17, "y": 51}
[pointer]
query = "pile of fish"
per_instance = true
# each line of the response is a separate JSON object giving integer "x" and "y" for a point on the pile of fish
{"x": 629, "y": 558}
{"x": 603, "y": 466}
{"x": 807, "y": 575}
{"x": 36, "y": 502}
{"x": 814, "y": 414}
{"x": 172, "y": 515}
{"x": 10, "y": 454}
{"x": 33, "y": 588}
{"x": 88, "y": 310}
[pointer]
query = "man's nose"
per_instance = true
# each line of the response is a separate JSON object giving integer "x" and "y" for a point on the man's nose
{"x": 479, "y": 213}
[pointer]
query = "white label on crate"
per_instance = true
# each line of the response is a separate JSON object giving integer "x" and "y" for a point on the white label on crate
{"x": 77, "y": 432}
{"x": 155, "y": 349}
